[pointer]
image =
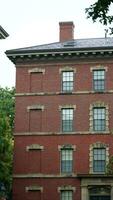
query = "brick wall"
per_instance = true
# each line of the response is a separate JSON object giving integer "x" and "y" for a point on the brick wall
{"x": 43, "y": 126}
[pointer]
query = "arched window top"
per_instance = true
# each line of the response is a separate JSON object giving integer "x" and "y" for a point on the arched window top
{"x": 98, "y": 104}
{"x": 99, "y": 145}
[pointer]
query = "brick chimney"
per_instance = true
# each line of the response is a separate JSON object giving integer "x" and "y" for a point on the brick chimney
{"x": 66, "y": 31}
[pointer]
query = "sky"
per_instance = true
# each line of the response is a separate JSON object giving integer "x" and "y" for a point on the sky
{"x": 35, "y": 22}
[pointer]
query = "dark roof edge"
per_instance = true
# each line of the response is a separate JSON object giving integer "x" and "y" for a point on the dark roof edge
{"x": 63, "y": 50}
{"x": 3, "y": 33}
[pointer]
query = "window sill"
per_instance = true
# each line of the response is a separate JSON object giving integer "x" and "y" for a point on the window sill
{"x": 100, "y": 132}
{"x": 99, "y": 91}
{"x": 68, "y": 174}
{"x": 66, "y": 92}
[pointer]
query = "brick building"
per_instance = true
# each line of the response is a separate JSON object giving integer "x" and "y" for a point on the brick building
{"x": 64, "y": 119}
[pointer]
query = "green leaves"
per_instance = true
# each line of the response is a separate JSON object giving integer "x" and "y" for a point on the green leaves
{"x": 109, "y": 167}
{"x": 6, "y": 136}
{"x": 100, "y": 11}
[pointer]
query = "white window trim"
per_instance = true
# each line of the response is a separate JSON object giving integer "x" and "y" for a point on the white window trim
{"x": 99, "y": 67}
{"x": 66, "y": 69}
{"x": 67, "y": 107}
{"x": 66, "y": 188}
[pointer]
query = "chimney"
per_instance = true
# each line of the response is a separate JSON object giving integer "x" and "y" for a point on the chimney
{"x": 66, "y": 31}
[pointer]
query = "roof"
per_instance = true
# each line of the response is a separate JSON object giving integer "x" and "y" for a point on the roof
{"x": 76, "y": 46}
{"x": 3, "y": 33}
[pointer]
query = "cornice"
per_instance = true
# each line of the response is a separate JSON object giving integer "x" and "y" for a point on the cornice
{"x": 19, "y": 57}
{"x": 62, "y": 133}
{"x": 94, "y": 176}
{"x": 85, "y": 92}
{"x": 72, "y": 175}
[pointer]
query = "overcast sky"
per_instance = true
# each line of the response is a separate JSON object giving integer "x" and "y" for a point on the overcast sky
{"x": 34, "y": 22}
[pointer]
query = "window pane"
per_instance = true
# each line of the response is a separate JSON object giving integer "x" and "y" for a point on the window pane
{"x": 66, "y": 195}
{"x": 66, "y": 166}
{"x": 99, "y": 159}
{"x": 99, "y": 85}
{"x": 99, "y": 154}
{"x": 67, "y": 81}
{"x": 99, "y": 125}
{"x": 67, "y": 86}
{"x": 67, "y": 76}
{"x": 67, "y": 114}
{"x": 99, "y": 74}
{"x": 67, "y": 125}
{"x": 99, "y": 166}
{"x": 99, "y": 113}
{"x": 67, "y": 154}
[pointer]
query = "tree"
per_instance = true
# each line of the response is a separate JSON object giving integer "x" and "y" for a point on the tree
{"x": 109, "y": 167}
{"x": 100, "y": 11}
{"x": 6, "y": 138}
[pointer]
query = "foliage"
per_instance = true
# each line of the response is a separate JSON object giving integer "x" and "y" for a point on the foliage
{"x": 6, "y": 137}
{"x": 109, "y": 167}
{"x": 100, "y": 10}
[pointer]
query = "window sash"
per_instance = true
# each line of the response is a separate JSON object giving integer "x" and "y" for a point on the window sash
{"x": 67, "y": 195}
{"x": 99, "y": 74}
{"x": 99, "y": 85}
{"x": 67, "y": 86}
{"x": 67, "y": 81}
{"x": 66, "y": 166}
{"x": 67, "y": 120}
{"x": 99, "y": 160}
{"x": 66, "y": 160}
{"x": 99, "y": 119}
{"x": 67, "y": 113}
{"x": 99, "y": 125}
{"x": 99, "y": 80}
{"x": 99, "y": 113}
{"x": 67, "y": 125}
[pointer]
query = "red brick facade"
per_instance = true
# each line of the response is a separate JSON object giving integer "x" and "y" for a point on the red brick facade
{"x": 38, "y": 129}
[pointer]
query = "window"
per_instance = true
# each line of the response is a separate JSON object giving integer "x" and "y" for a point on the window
{"x": 99, "y": 119}
{"x": 67, "y": 81}
{"x": 67, "y": 119}
{"x": 67, "y": 195}
{"x": 99, "y": 192}
{"x": 99, "y": 159}
{"x": 99, "y": 80}
{"x": 66, "y": 160}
